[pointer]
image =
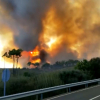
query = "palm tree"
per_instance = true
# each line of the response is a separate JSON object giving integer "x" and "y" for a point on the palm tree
{"x": 18, "y": 55}
{"x": 12, "y": 54}
{"x": 15, "y": 54}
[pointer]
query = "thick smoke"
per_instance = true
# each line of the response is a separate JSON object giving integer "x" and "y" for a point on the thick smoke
{"x": 27, "y": 16}
{"x": 75, "y": 22}
{"x": 43, "y": 56}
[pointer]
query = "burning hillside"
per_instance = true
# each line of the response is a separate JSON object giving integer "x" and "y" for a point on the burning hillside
{"x": 50, "y": 30}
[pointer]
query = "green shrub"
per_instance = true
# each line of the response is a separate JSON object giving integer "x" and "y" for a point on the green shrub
{"x": 26, "y": 74}
{"x": 72, "y": 76}
{"x": 17, "y": 85}
{"x": 91, "y": 68}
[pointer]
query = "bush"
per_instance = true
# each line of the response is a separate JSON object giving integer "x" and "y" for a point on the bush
{"x": 17, "y": 85}
{"x": 72, "y": 76}
{"x": 26, "y": 74}
{"x": 91, "y": 68}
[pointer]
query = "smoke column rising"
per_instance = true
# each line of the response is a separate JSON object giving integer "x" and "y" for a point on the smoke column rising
{"x": 74, "y": 24}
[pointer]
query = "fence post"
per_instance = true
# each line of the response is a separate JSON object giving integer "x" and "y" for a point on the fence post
{"x": 41, "y": 96}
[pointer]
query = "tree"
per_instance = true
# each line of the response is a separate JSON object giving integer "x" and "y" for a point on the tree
{"x": 12, "y": 54}
{"x": 29, "y": 63}
{"x": 95, "y": 67}
{"x": 91, "y": 68}
{"x": 15, "y": 54}
{"x": 36, "y": 64}
{"x": 83, "y": 66}
{"x": 18, "y": 55}
{"x": 60, "y": 63}
{"x": 45, "y": 65}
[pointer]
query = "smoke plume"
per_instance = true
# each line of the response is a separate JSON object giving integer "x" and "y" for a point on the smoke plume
{"x": 63, "y": 29}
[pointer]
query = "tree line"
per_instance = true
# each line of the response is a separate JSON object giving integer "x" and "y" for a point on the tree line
{"x": 68, "y": 63}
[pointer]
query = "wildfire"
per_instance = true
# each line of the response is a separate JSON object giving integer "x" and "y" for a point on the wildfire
{"x": 35, "y": 55}
{"x": 52, "y": 40}
{"x": 71, "y": 26}
{"x": 49, "y": 39}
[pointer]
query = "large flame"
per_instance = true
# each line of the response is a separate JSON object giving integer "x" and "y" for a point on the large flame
{"x": 35, "y": 55}
{"x": 49, "y": 38}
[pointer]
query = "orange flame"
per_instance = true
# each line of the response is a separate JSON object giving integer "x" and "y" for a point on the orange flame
{"x": 35, "y": 55}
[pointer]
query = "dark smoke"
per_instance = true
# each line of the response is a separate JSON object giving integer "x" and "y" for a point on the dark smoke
{"x": 78, "y": 21}
{"x": 28, "y": 17}
{"x": 43, "y": 56}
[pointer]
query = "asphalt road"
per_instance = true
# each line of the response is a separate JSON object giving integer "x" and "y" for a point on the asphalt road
{"x": 92, "y": 93}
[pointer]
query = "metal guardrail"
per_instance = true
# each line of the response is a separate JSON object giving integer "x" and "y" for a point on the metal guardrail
{"x": 41, "y": 91}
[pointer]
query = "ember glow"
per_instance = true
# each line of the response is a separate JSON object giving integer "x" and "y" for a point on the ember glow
{"x": 50, "y": 30}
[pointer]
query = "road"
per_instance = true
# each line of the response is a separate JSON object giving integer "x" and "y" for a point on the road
{"x": 92, "y": 93}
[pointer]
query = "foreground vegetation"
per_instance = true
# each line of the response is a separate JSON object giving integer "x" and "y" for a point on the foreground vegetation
{"x": 91, "y": 67}
{"x": 28, "y": 79}
{"x": 32, "y": 81}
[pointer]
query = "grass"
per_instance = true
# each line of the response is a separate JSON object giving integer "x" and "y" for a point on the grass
{"x": 28, "y": 79}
